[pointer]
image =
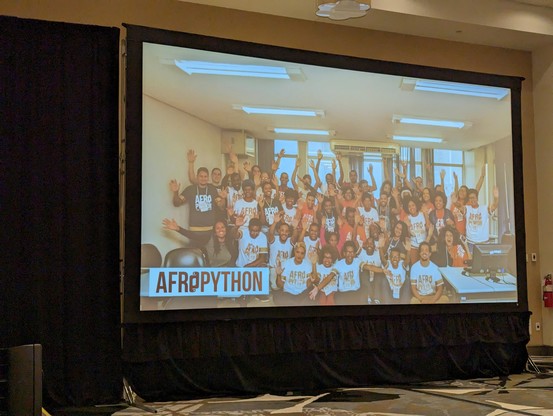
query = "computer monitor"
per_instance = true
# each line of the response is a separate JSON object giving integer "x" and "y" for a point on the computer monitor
{"x": 491, "y": 258}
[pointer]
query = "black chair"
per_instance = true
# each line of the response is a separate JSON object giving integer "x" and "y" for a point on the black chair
{"x": 149, "y": 257}
{"x": 188, "y": 257}
{"x": 185, "y": 257}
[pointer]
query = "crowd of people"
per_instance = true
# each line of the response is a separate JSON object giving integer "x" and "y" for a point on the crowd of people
{"x": 332, "y": 242}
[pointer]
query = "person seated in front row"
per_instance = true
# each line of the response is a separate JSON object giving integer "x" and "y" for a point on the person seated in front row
{"x": 296, "y": 280}
{"x": 427, "y": 284}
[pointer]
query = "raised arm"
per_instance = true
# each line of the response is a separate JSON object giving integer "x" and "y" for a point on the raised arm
{"x": 178, "y": 199}
{"x": 191, "y": 156}
{"x": 493, "y": 206}
{"x": 340, "y": 169}
{"x": 294, "y": 173}
{"x": 373, "y": 186}
{"x": 481, "y": 178}
{"x": 315, "y": 174}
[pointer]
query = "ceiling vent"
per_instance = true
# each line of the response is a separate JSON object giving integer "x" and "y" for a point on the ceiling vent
{"x": 359, "y": 146}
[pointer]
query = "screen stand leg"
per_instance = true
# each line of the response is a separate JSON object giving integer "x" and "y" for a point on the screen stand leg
{"x": 130, "y": 400}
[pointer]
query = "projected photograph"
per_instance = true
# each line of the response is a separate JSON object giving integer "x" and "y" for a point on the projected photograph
{"x": 273, "y": 184}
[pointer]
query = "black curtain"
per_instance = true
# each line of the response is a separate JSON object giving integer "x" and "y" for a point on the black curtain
{"x": 179, "y": 360}
{"x": 59, "y": 199}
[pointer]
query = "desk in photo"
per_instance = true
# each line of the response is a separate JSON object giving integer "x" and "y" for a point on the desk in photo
{"x": 467, "y": 288}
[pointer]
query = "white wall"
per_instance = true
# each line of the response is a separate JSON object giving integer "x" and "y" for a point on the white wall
{"x": 168, "y": 134}
{"x": 543, "y": 103}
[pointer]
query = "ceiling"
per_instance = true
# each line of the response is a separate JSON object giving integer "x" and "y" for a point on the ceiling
{"x": 357, "y": 105}
{"x": 515, "y": 24}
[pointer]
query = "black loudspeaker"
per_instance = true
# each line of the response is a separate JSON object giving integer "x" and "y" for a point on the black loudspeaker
{"x": 25, "y": 380}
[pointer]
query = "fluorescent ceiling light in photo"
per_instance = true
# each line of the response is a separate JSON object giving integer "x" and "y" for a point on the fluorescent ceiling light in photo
{"x": 313, "y": 132}
{"x": 455, "y": 88}
{"x": 279, "y": 111}
{"x": 417, "y": 139}
{"x": 215, "y": 68}
{"x": 422, "y": 121}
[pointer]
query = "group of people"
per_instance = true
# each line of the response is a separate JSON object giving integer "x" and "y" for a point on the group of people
{"x": 333, "y": 242}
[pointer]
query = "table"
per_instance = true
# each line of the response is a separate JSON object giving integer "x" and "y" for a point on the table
{"x": 479, "y": 288}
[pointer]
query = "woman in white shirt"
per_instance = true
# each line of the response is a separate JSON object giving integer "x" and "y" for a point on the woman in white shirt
{"x": 295, "y": 279}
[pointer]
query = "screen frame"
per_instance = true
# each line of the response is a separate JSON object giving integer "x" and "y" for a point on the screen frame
{"x": 132, "y": 143}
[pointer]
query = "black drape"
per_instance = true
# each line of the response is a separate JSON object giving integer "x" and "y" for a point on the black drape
{"x": 188, "y": 359}
{"x": 59, "y": 199}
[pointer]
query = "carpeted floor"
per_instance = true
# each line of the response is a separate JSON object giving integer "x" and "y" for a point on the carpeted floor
{"x": 522, "y": 394}
{"x": 530, "y": 393}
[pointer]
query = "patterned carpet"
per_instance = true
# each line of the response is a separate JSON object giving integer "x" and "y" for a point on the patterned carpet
{"x": 521, "y": 394}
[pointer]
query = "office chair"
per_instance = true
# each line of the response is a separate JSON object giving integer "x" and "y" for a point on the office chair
{"x": 149, "y": 257}
{"x": 185, "y": 257}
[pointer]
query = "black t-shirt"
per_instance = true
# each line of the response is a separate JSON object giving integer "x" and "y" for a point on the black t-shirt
{"x": 202, "y": 205}
{"x": 271, "y": 209}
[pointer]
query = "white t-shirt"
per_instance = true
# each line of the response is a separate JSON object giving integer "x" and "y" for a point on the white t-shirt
{"x": 249, "y": 248}
{"x": 397, "y": 279}
{"x": 233, "y": 195}
{"x": 311, "y": 246}
{"x": 279, "y": 251}
{"x": 348, "y": 275}
{"x": 323, "y": 272}
{"x": 295, "y": 276}
{"x": 246, "y": 209}
{"x": 289, "y": 214}
{"x": 417, "y": 229}
{"x": 478, "y": 227}
{"x": 368, "y": 217}
{"x": 426, "y": 279}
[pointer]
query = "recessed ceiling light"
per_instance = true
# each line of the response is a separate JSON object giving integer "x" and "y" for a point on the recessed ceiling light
{"x": 215, "y": 68}
{"x": 280, "y": 111}
{"x": 314, "y": 132}
{"x": 423, "y": 121}
{"x": 455, "y": 88}
{"x": 417, "y": 139}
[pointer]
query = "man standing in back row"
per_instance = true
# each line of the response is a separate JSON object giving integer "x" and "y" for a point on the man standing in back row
{"x": 202, "y": 205}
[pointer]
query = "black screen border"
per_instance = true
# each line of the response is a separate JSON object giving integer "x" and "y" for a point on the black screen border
{"x": 137, "y": 35}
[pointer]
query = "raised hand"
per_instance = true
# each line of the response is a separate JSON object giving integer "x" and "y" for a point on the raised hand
{"x": 404, "y": 163}
{"x": 298, "y": 162}
{"x": 319, "y": 154}
{"x": 223, "y": 193}
{"x": 240, "y": 220}
{"x": 230, "y": 169}
{"x": 278, "y": 268}
{"x": 442, "y": 174}
{"x": 339, "y": 157}
{"x": 261, "y": 201}
{"x": 274, "y": 166}
{"x": 170, "y": 224}
{"x": 312, "y": 164}
{"x": 247, "y": 166}
{"x": 313, "y": 257}
{"x": 174, "y": 185}
{"x": 281, "y": 153}
{"x": 370, "y": 169}
{"x": 333, "y": 164}
{"x": 233, "y": 158}
{"x": 191, "y": 154}
{"x": 320, "y": 198}
{"x": 455, "y": 176}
